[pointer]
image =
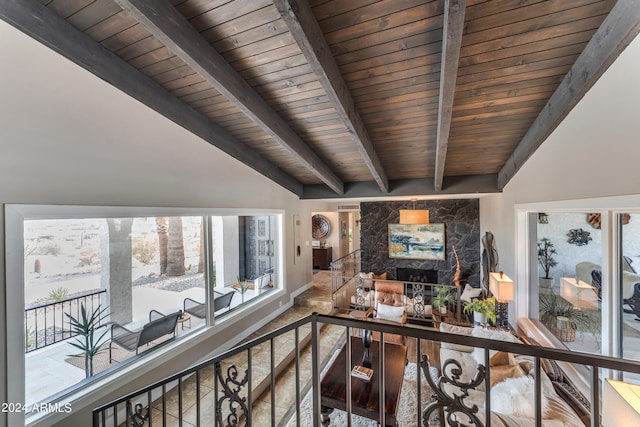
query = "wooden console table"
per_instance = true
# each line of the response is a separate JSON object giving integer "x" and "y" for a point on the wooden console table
{"x": 322, "y": 258}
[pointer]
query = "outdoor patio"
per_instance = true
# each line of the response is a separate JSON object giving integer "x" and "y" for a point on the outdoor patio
{"x": 52, "y": 368}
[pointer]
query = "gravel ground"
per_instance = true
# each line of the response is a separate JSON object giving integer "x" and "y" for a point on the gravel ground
{"x": 166, "y": 283}
{"x": 174, "y": 284}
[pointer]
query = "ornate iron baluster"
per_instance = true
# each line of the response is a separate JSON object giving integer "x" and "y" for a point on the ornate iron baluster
{"x": 418, "y": 300}
{"x": 231, "y": 388}
{"x": 452, "y": 404}
{"x": 136, "y": 416}
{"x": 360, "y": 303}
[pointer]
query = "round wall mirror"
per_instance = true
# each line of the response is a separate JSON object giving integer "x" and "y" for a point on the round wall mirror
{"x": 320, "y": 226}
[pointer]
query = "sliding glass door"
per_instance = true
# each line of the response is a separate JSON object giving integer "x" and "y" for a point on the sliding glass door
{"x": 568, "y": 300}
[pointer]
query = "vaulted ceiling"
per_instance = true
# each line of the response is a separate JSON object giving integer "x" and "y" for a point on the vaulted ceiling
{"x": 349, "y": 98}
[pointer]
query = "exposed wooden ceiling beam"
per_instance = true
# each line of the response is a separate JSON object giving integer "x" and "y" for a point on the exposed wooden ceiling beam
{"x": 618, "y": 29}
{"x": 460, "y": 185}
{"x": 451, "y": 42}
{"x": 305, "y": 29}
{"x": 42, "y": 24}
{"x": 166, "y": 24}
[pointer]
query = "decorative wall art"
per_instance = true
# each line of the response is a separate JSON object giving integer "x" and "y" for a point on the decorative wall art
{"x": 320, "y": 226}
{"x": 579, "y": 237}
{"x": 417, "y": 241}
{"x": 596, "y": 222}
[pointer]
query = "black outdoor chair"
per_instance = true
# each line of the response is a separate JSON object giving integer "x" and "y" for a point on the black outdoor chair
{"x": 634, "y": 302}
{"x": 198, "y": 309}
{"x": 159, "y": 325}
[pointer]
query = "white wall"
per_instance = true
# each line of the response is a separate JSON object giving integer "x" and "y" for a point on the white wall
{"x": 593, "y": 155}
{"x": 69, "y": 138}
{"x": 567, "y": 254}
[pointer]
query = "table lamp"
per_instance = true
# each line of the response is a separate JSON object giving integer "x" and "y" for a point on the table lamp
{"x": 620, "y": 404}
{"x": 502, "y": 287}
{"x": 578, "y": 293}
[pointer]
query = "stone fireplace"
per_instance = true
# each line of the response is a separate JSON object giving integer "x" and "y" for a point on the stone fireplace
{"x": 461, "y": 219}
{"x": 417, "y": 275}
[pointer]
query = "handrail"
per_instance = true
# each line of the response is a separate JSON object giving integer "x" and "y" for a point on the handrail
{"x": 102, "y": 291}
{"x": 351, "y": 262}
{"x": 596, "y": 362}
{"x": 38, "y": 320}
{"x": 347, "y": 256}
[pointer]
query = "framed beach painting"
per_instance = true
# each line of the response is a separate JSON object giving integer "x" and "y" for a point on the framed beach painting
{"x": 416, "y": 241}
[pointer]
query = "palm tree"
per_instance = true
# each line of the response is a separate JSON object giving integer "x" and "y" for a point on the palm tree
{"x": 175, "y": 248}
{"x": 162, "y": 226}
{"x": 201, "y": 257}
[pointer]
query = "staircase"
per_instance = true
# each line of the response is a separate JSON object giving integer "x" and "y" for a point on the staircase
{"x": 317, "y": 298}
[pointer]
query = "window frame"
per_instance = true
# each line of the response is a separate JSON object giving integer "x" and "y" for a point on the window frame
{"x": 16, "y": 214}
{"x": 611, "y": 209}
{"x": 527, "y": 269}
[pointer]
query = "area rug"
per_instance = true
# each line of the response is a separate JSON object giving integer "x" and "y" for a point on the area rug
{"x": 407, "y": 407}
{"x": 101, "y": 360}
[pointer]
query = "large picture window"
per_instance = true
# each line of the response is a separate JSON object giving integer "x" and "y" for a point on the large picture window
{"x": 582, "y": 269}
{"x": 569, "y": 279}
{"x": 136, "y": 282}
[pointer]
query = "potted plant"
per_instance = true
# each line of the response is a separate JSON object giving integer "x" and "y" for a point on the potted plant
{"x": 484, "y": 310}
{"x": 443, "y": 298}
{"x": 564, "y": 320}
{"x": 546, "y": 259}
{"x": 86, "y": 327}
{"x": 243, "y": 286}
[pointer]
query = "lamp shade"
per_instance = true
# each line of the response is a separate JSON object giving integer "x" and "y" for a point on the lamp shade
{"x": 414, "y": 216}
{"x": 578, "y": 293}
{"x": 501, "y": 286}
{"x": 620, "y": 404}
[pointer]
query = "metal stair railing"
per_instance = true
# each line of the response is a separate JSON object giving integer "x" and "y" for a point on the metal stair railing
{"x": 229, "y": 375}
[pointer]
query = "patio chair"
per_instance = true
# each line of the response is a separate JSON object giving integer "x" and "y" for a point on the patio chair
{"x": 633, "y": 302}
{"x": 198, "y": 309}
{"x": 159, "y": 325}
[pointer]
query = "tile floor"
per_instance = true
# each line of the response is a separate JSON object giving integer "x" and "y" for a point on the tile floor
{"x": 316, "y": 299}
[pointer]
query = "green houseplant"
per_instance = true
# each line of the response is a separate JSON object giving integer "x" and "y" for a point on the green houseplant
{"x": 443, "y": 298}
{"x": 556, "y": 312}
{"x": 86, "y": 327}
{"x": 243, "y": 286}
{"x": 484, "y": 310}
{"x": 546, "y": 259}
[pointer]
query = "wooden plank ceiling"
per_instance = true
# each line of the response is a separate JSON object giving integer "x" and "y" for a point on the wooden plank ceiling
{"x": 350, "y": 98}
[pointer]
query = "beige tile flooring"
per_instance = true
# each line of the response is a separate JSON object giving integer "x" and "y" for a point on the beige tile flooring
{"x": 316, "y": 299}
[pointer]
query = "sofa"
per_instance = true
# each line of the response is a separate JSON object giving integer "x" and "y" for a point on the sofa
{"x": 512, "y": 383}
{"x": 629, "y": 276}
